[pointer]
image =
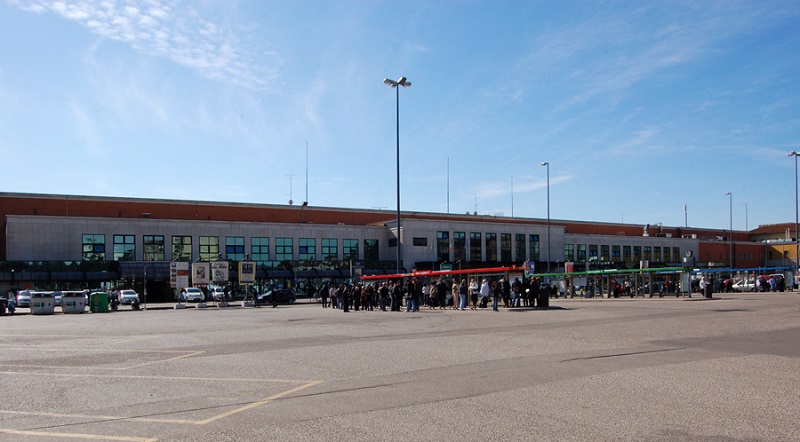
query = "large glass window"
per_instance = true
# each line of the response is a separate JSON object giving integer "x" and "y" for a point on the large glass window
{"x": 153, "y": 248}
{"x": 657, "y": 254}
{"x": 371, "y": 252}
{"x": 637, "y": 253}
{"x": 350, "y": 249}
{"x": 676, "y": 254}
{"x": 234, "y": 248}
{"x": 307, "y": 249}
{"x": 181, "y": 248}
{"x": 259, "y": 248}
{"x": 581, "y": 252}
{"x": 569, "y": 252}
{"x": 667, "y": 257}
{"x": 615, "y": 254}
{"x": 491, "y": 247}
{"x": 209, "y": 248}
{"x": 505, "y": 247}
{"x": 124, "y": 248}
{"x": 519, "y": 247}
{"x": 443, "y": 246}
{"x": 626, "y": 254}
{"x": 459, "y": 246}
{"x": 94, "y": 247}
{"x": 533, "y": 241}
{"x": 330, "y": 249}
{"x": 647, "y": 254}
{"x": 593, "y": 252}
{"x": 284, "y": 249}
{"x": 475, "y": 246}
{"x": 604, "y": 253}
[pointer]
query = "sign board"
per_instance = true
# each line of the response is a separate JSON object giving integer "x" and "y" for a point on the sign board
{"x": 247, "y": 273}
{"x": 219, "y": 272}
{"x": 356, "y": 270}
{"x": 530, "y": 267}
{"x": 446, "y": 266}
{"x": 201, "y": 271}
{"x": 178, "y": 274}
{"x": 569, "y": 267}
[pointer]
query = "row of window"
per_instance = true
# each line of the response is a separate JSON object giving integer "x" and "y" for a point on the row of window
{"x": 468, "y": 248}
{"x": 606, "y": 253}
{"x": 154, "y": 248}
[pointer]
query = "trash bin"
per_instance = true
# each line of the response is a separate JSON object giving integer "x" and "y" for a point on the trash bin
{"x": 708, "y": 291}
{"x": 3, "y": 306}
{"x": 543, "y": 301}
{"x": 73, "y": 304}
{"x": 43, "y": 303}
{"x": 99, "y": 302}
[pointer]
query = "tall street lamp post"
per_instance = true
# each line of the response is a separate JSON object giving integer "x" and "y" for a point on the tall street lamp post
{"x": 796, "y": 238}
{"x": 730, "y": 234}
{"x": 547, "y": 165}
{"x": 403, "y": 81}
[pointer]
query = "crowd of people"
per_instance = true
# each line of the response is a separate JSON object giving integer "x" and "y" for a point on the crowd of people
{"x": 414, "y": 293}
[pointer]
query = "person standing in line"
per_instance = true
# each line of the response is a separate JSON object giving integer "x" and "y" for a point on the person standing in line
{"x": 484, "y": 293}
{"x": 462, "y": 294}
{"x": 397, "y": 296}
{"x": 323, "y": 295}
{"x": 345, "y": 298}
{"x": 384, "y": 295}
{"x": 408, "y": 294}
{"x": 333, "y": 293}
{"x": 516, "y": 289}
{"x": 454, "y": 294}
{"x": 433, "y": 298}
{"x": 473, "y": 293}
{"x": 426, "y": 293}
{"x": 441, "y": 293}
{"x": 497, "y": 293}
{"x": 506, "y": 286}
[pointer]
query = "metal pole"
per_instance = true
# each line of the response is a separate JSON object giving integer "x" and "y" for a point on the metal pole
{"x": 730, "y": 205}
{"x": 399, "y": 243}
{"x": 547, "y": 164}
{"x": 796, "y": 237}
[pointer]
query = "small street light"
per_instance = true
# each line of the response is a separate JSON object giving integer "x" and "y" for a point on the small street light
{"x": 546, "y": 164}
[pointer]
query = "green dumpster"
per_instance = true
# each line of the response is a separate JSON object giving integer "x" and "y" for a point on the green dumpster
{"x": 98, "y": 302}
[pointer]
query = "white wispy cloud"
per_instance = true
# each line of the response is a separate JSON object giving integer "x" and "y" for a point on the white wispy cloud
{"x": 171, "y": 30}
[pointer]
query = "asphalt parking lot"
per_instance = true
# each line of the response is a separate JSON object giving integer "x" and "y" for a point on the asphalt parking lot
{"x": 585, "y": 369}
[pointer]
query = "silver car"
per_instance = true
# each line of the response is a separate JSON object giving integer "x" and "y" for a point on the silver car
{"x": 128, "y": 296}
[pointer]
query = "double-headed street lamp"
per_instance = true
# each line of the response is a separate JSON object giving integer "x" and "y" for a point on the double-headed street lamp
{"x": 403, "y": 81}
{"x": 546, "y": 164}
{"x": 796, "y": 238}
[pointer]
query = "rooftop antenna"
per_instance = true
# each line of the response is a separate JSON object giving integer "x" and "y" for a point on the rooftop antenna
{"x": 448, "y": 185}
{"x": 476, "y": 203}
{"x": 512, "y": 196}
{"x": 306, "y": 200}
{"x": 290, "y": 189}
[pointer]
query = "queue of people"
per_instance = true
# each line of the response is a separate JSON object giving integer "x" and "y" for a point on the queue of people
{"x": 412, "y": 294}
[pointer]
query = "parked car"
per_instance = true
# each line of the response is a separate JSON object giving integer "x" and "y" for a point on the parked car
{"x": 192, "y": 294}
{"x": 128, "y": 296}
{"x": 745, "y": 285}
{"x": 282, "y": 296}
{"x": 217, "y": 293}
{"x": 24, "y": 298}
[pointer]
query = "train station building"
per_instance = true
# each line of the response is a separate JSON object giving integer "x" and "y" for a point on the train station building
{"x": 68, "y": 241}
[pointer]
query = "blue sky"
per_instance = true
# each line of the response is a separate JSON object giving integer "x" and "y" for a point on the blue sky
{"x": 639, "y": 107}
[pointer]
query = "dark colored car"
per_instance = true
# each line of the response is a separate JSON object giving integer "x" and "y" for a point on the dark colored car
{"x": 282, "y": 296}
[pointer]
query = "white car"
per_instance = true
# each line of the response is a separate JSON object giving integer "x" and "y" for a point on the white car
{"x": 192, "y": 294}
{"x": 128, "y": 296}
{"x": 217, "y": 294}
{"x": 745, "y": 286}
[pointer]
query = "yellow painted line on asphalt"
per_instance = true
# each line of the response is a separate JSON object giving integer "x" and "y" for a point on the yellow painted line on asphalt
{"x": 97, "y": 417}
{"x": 76, "y": 436}
{"x": 164, "y": 360}
{"x": 258, "y": 403}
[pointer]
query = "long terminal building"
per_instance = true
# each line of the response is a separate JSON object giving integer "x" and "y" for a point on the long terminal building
{"x": 68, "y": 241}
